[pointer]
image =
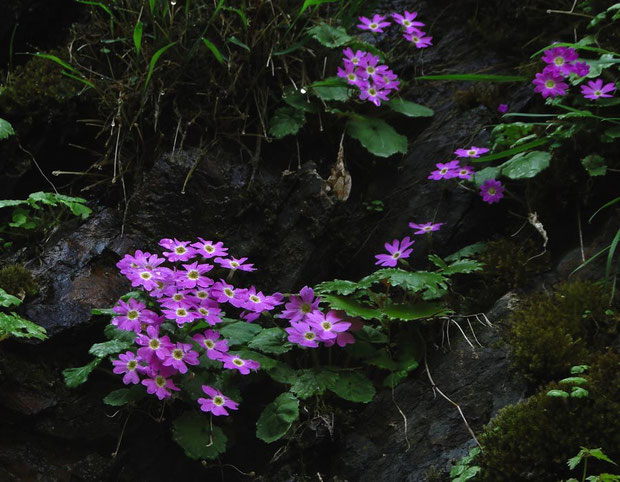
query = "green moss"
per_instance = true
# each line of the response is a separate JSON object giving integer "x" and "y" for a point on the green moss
{"x": 18, "y": 281}
{"x": 551, "y": 332}
{"x": 532, "y": 440}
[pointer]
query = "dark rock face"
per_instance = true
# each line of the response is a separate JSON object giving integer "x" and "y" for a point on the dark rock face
{"x": 478, "y": 380}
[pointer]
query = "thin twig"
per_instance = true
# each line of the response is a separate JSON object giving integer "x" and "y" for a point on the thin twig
{"x": 402, "y": 415}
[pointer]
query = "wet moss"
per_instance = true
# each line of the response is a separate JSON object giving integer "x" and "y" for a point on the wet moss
{"x": 551, "y": 332}
{"x": 18, "y": 281}
{"x": 533, "y": 439}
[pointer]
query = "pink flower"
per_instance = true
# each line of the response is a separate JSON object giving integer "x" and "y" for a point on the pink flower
{"x": 180, "y": 356}
{"x": 193, "y": 276}
{"x": 407, "y": 20}
{"x": 502, "y": 108}
{"x": 218, "y": 403}
{"x": 595, "y": 89}
{"x": 180, "y": 313}
{"x": 258, "y": 302}
{"x": 549, "y": 84}
{"x": 235, "y": 263}
{"x": 210, "y": 340}
{"x": 179, "y": 250}
{"x": 153, "y": 346}
{"x": 425, "y": 228}
{"x": 223, "y": 292}
{"x": 353, "y": 59}
{"x": 388, "y": 80}
{"x": 300, "y": 306}
{"x": 209, "y": 311}
{"x": 398, "y": 249}
{"x": 374, "y": 94}
{"x": 128, "y": 364}
{"x": 473, "y": 151}
{"x": 342, "y": 339}
{"x": 445, "y": 171}
{"x": 375, "y": 25}
{"x": 131, "y": 315}
{"x": 560, "y": 58}
{"x": 303, "y": 333}
{"x": 160, "y": 385}
{"x": 464, "y": 172}
{"x": 327, "y": 326}
{"x": 491, "y": 191}
{"x": 233, "y": 362}
{"x": 350, "y": 74}
{"x": 581, "y": 69}
{"x": 417, "y": 38}
{"x": 209, "y": 249}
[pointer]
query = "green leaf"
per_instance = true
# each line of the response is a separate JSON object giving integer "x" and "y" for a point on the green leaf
{"x": 153, "y": 63}
{"x": 286, "y": 121}
{"x": 463, "y": 266}
{"x": 486, "y": 174}
{"x": 282, "y": 373}
{"x": 352, "y": 307}
{"x": 6, "y": 129}
{"x": 595, "y": 165}
{"x": 214, "y": 50}
{"x": 313, "y": 382}
{"x": 266, "y": 363}
{"x": 510, "y": 152}
{"x": 353, "y": 386}
{"x": 409, "y": 312}
{"x": 123, "y": 396}
{"x": 525, "y": 166}
{"x": 7, "y": 299}
{"x": 577, "y": 369}
{"x": 234, "y": 40}
{"x": 467, "y": 252}
{"x": 377, "y": 136}
{"x": 7, "y": 203}
{"x": 199, "y": 439}
{"x": 341, "y": 287}
{"x": 103, "y": 311}
{"x": 574, "y": 380}
{"x": 598, "y": 454}
{"x": 578, "y": 392}
{"x": 113, "y": 333}
{"x": 329, "y": 36}
{"x": 557, "y": 393}
{"x": 475, "y": 77}
{"x": 106, "y": 348}
{"x": 311, "y": 3}
{"x": 277, "y": 418}
{"x": 336, "y": 93}
{"x": 432, "y": 283}
{"x": 239, "y": 332}
{"x": 410, "y": 109}
{"x": 11, "y": 324}
{"x": 297, "y": 100}
{"x": 137, "y": 36}
{"x": 77, "y": 376}
{"x": 271, "y": 340}
{"x": 574, "y": 461}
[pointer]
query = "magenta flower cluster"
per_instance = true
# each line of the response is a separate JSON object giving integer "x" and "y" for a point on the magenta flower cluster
{"x": 401, "y": 248}
{"x": 491, "y": 190}
{"x": 310, "y": 327}
{"x": 184, "y": 294}
{"x": 563, "y": 62}
{"x": 362, "y": 70}
{"x": 411, "y": 27}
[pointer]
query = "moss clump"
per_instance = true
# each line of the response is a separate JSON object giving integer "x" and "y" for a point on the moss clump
{"x": 532, "y": 440}
{"x": 18, "y": 281}
{"x": 551, "y": 332}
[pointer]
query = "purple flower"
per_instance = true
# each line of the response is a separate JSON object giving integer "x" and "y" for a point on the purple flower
{"x": 210, "y": 340}
{"x": 209, "y": 249}
{"x": 130, "y": 263}
{"x": 374, "y": 94}
{"x": 502, "y": 108}
{"x": 258, "y": 302}
{"x": 465, "y": 172}
{"x": 222, "y": 292}
{"x": 179, "y": 250}
{"x": 180, "y": 313}
{"x": 473, "y": 151}
{"x": 233, "y": 362}
{"x": 560, "y": 58}
{"x": 235, "y": 263}
{"x": 581, "y": 69}
{"x": 300, "y": 306}
{"x": 375, "y": 25}
{"x": 342, "y": 339}
{"x": 180, "y": 356}
{"x": 328, "y": 325}
{"x": 209, "y": 311}
{"x": 218, "y": 403}
{"x": 153, "y": 346}
{"x": 445, "y": 171}
{"x": 388, "y": 80}
{"x": 398, "y": 249}
{"x": 193, "y": 276}
{"x": 131, "y": 315}
{"x": 128, "y": 364}
{"x": 417, "y": 38}
{"x": 160, "y": 385}
{"x": 549, "y": 84}
{"x": 350, "y": 74}
{"x": 491, "y": 191}
{"x": 353, "y": 59}
{"x": 407, "y": 20}
{"x": 425, "y": 228}
{"x": 595, "y": 89}
{"x": 303, "y": 333}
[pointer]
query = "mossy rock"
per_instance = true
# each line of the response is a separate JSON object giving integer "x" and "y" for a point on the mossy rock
{"x": 532, "y": 440}
{"x": 551, "y": 332}
{"x": 18, "y": 281}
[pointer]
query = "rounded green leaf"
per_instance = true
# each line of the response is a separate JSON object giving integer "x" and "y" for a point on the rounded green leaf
{"x": 285, "y": 121}
{"x": 193, "y": 433}
{"x": 6, "y": 129}
{"x": 277, "y": 418}
{"x": 525, "y": 166}
{"x": 410, "y": 109}
{"x": 377, "y": 136}
{"x": 353, "y": 386}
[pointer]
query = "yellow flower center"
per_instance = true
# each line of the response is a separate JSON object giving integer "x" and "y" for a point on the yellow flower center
{"x": 132, "y": 314}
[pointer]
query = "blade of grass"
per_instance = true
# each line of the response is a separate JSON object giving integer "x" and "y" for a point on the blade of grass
{"x": 59, "y": 61}
{"x": 606, "y": 205}
{"x": 153, "y": 63}
{"x": 510, "y": 152}
{"x": 216, "y": 53}
{"x": 585, "y": 263}
{"x": 475, "y": 77}
{"x": 575, "y": 46}
{"x": 137, "y": 36}
{"x": 610, "y": 255}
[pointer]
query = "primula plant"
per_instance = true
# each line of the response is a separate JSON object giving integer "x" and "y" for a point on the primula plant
{"x": 14, "y": 325}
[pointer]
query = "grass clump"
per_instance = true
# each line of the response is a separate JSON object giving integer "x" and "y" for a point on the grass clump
{"x": 18, "y": 281}
{"x": 532, "y": 440}
{"x": 551, "y": 332}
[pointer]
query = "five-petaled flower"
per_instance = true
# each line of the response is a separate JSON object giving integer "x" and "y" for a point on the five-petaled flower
{"x": 217, "y": 403}
{"x": 398, "y": 249}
